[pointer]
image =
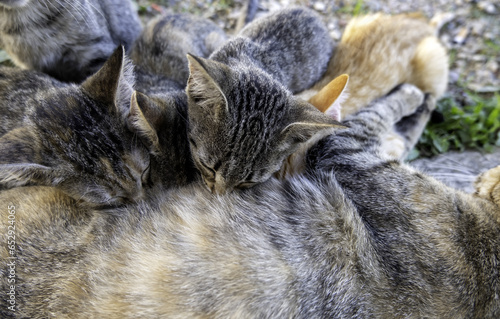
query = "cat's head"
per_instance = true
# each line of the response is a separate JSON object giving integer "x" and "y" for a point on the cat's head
{"x": 243, "y": 124}
{"x": 13, "y": 3}
{"x": 83, "y": 139}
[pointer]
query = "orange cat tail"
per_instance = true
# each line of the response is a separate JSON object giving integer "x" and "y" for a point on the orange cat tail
{"x": 329, "y": 99}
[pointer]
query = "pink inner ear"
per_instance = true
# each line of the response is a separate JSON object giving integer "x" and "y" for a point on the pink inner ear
{"x": 334, "y": 111}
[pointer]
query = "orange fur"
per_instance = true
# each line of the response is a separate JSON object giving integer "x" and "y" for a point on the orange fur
{"x": 379, "y": 52}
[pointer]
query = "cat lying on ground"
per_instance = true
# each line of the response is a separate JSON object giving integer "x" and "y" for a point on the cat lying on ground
{"x": 358, "y": 236}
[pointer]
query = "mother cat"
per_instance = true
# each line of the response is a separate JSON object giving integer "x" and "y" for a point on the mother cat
{"x": 357, "y": 237}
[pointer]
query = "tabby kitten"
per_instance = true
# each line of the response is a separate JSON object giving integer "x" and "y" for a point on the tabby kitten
{"x": 243, "y": 119}
{"x": 91, "y": 140}
{"x": 380, "y": 51}
{"x": 146, "y": 134}
{"x": 358, "y": 236}
{"x": 162, "y": 47}
{"x": 70, "y": 40}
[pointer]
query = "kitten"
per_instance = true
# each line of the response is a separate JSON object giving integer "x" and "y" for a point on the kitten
{"x": 243, "y": 119}
{"x": 378, "y": 52}
{"x": 356, "y": 237}
{"x": 91, "y": 140}
{"x": 162, "y": 47}
{"x": 151, "y": 128}
{"x": 70, "y": 40}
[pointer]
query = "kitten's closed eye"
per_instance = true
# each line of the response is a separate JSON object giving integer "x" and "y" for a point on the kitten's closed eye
{"x": 246, "y": 185}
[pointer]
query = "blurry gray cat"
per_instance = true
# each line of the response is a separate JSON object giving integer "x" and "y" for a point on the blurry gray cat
{"x": 162, "y": 47}
{"x": 243, "y": 118}
{"x": 70, "y": 40}
{"x": 357, "y": 237}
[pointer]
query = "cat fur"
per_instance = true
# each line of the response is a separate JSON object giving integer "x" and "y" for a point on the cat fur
{"x": 69, "y": 40}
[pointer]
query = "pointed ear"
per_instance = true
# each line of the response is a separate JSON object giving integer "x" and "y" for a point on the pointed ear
{"x": 203, "y": 86}
{"x": 308, "y": 122}
{"x": 113, "y": 83}
{"x": 143, "y": 119}
{"x": 329, "y": 99}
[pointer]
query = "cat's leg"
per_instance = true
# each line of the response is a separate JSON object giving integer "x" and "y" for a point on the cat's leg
{"x": 488, "y": 185}
{"x": 368, "y": 128}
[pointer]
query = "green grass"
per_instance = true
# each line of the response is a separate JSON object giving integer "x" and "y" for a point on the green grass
{"x": 355, "y": 9}
{"x": 475, "y": 125}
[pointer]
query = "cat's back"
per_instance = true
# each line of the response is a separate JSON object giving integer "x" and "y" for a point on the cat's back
{"x": 380, "y": 51}
{"x": 292, "y": 44}
{"x": 162, "y": 47}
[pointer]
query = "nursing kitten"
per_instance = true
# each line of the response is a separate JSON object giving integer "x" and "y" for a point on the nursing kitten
{"x": 70, "y": 40}
{"x": 162, "y": 47}
{"x": 90, "y": 140}
{"x": 146, "y": 134}
{"x": 243, "y": 119}
{"x": 380, "y": 51}
{"x": 358, "y": 236}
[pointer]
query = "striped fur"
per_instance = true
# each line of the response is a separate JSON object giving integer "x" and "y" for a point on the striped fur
{"x": 243, "y": 118}
{"x": 71, "y": 39}
{"x": 358, "y": 236}
{"x": 85, "y": 140}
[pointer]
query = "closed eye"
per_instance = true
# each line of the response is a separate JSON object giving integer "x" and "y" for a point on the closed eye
{"x": 245, "y": 185}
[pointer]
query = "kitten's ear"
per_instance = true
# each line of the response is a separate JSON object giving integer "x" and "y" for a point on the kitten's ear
{"x": 17, "y": 167}
{"x": 329, "y": 99}
{"x": 113, "y": 83}
{"x": 308, "y": 123}
{"x": 143, "y": 119}
{"x": 203, "y": 86}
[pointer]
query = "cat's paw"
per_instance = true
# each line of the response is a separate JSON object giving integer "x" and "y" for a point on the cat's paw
{"x": 488, "y": 185}
{"x": 409, "y": 98}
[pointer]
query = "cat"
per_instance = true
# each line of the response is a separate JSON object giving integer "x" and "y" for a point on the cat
{"x": 162, "y": 46}
{"x": 143, "y": 121}
{"x": 91, "y": 140}
{"x": 357, "y": 236}
{"x": 378, "y": 52}
{"x": 69, "y": 40}
{"x": 243, "y": 119}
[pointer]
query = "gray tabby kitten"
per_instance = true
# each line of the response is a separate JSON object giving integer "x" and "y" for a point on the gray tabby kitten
{"x": 243, "y": 119}
{"x": 357, "y": 237}
{"x": 91, "y": 140}
{"x": 70, "y": 40}
{"x": 121, "y": 153}
{"x": 162, "y": 47}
